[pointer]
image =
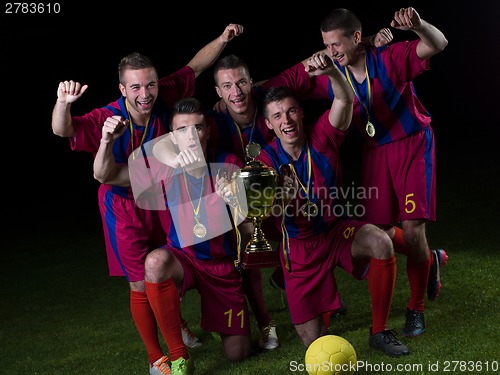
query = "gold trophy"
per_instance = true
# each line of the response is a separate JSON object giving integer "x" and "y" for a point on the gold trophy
{"x": 255, "y": 184}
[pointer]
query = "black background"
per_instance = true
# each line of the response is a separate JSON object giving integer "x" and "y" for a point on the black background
{"x": 45, "y": 183}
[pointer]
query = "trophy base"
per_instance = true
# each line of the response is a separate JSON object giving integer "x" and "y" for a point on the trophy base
{"x": 260, "y": 259}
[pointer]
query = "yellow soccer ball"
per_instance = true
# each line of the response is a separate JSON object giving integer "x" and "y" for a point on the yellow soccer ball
{"x": 330, "y": 355}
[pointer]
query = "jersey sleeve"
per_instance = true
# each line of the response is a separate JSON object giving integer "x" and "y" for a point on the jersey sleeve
{"x": 88, "y": 130}
{"x": 178, "y": 85}
{"x": 294, "y": 77}
{"x": 403, "y": 59}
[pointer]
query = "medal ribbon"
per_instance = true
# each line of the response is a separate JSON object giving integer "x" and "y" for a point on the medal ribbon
{"x": 239, "y": 131}
{"x": 131, "y": 125}
{"x": 349, "y": 79}
{"x": 284, "y": 232}
{"x": 308, "y": 172}
{"x": 197, "y": 210}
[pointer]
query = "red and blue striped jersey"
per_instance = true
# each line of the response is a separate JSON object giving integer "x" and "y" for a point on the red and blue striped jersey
{"x": 185, "y": 195}
{"x": 326, "y": 177}
{"x": 395, "y": 110}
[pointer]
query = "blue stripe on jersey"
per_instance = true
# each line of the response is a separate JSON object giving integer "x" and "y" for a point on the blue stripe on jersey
{"x": 110, "y": 220}
{"x": 428, "y": 165}
{"x": 220, "y": 246}
{"x": 394, "y": 100}
{"x": 326, "y": 178}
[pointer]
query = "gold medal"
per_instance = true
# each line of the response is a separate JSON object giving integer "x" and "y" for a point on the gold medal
{"x": 199, "y": 230}
{"x": 309, "y": 209}
{"x": 370, "y": 129}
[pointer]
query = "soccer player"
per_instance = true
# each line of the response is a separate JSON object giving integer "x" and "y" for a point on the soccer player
{"x": 200, "y": 251}
{"x": 395, "y": 129}
{"x": 130, "y": 232}
{"x": 316, "y": 239}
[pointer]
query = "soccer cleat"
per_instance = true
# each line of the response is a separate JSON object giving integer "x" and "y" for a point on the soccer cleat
{"x": 434, "y": 282}
{"x": 277, "y": 279}
{"x": 188, "y": 337}
{"x": 268, "y": 337}
{"x": 160, "y": 367}
{"x": 415, "y": 323}
{"x": 388, "y": 343}
{"x": 182, "y": 366}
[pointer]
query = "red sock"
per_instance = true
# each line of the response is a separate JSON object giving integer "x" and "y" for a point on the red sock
{"x": 165, "y": 301}
{"x": 326, "y": 320}
{"x": 418, "y": 275}
{"x": 418, "y": 272}
{"x": 252, "y": 285}
{"x": 398, "y": 242}
{"x": 145, "y": 321}
{"x": 381, "y": 281}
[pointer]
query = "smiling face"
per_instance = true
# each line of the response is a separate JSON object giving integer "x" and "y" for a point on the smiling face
{"x": 285, "y": 117}
{"x": 342, "y": 48}
{"x": 234, "y": 87}
{"x": 140, "y": 88}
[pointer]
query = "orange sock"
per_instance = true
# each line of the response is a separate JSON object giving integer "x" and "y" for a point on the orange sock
{"x": 145, "y": 321}
{"x": 165, "y": 301}
{"x": 381, "y": 281}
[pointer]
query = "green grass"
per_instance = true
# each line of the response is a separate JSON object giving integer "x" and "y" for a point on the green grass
{"x": 61, "y": 313}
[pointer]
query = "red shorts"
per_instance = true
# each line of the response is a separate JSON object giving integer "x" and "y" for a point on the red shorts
{"x": 129, "y": 234}
{"x": 399, "y": 180}
{"x": 223, "y": 303}
{"x": 311, "y": 289}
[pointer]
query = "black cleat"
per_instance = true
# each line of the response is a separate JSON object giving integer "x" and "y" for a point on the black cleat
{"x": 388, "y": 343}
{"x": 415, "y": 323}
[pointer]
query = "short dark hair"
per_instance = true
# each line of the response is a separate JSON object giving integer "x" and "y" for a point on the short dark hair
{"x": 229, "y": 62}
{"x": 276, "y": 94}
{"x": 186, "y": 106}
{"x": 341, "y": 19}
{"x": 133, "y": 61}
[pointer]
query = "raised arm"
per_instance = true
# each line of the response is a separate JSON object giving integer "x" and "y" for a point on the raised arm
{"x": 67, "y": 93}
{"x": 341, "y": 110}
{"x": 208, "y": 54}
{"x": 106, "y": 170}
{"x": 432, "y": 40}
